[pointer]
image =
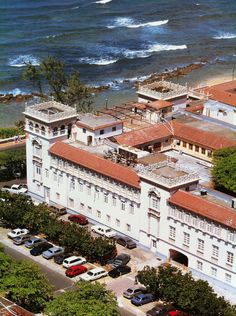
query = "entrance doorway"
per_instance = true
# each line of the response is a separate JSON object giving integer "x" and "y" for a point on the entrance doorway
{"x": 178, "y": 257}
{"x": 89, "y": 140}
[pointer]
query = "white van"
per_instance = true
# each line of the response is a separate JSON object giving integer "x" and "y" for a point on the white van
{"x": 73, "y": 261}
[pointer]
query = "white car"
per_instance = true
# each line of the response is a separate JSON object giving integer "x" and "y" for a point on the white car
{"x": 73, "y": 261}
{"x": 93, "y": 274}
{"x": 103, "y": 230}
{"x": 17, "y": 232}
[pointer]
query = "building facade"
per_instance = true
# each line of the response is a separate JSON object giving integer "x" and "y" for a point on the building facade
{"x": 144, "y": 202}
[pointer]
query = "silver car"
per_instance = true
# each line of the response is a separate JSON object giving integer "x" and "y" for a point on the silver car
{"x": 132, "y": 291}
{"x": 34, "y": 241}
{"x": 19, "y": 240}
{"x": 50, "y": 253}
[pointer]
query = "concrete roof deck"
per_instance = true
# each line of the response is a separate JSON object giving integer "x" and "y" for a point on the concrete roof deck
{"x": 94, "y": 121}
{"x": 169, "y": 172}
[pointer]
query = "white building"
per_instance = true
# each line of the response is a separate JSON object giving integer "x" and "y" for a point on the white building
{"x": 154, "y": 204}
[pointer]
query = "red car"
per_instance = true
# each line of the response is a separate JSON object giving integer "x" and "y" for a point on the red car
{"x": 80, "y": 219}
{"x": 177, "y": 312}
{"x": 75, "y": 270}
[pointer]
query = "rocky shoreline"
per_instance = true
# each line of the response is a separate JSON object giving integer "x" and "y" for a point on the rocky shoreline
{"x": 166, "y": 75}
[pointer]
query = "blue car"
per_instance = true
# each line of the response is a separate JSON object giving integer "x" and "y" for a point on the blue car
{"x": 142, "y": 299}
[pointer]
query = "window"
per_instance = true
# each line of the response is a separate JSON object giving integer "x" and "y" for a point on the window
{"x": 215, "y": 251}
{"x": 71, "y": 202}
{"x": 98, "y": 214}
{"x": 209, "y": 153}
{"x": 46, "y": 173}
{"x": 213, "y": 271}
{"x": 131, "y": 208}
{"x": 84, "y": 130}
{"x": 38, "y": 170}
{"x": 90, "y": 209}
{"x": 38, "y": 187}
{"x": 128, "y": 227}
{"x": 82, "y": 206}
{"x": 230, "y": 258}
{"x": 38, "y": 150}
{"x": 89, "y": 190}
{"x": 108, "y": 218}
{"x": 155, "y": 202}
{"x": 123, "y": 206}
{"x": 106, "y": 198}
{"x": 58, "y": 196}
{"x": 200, "y": 246}
{"x": 199, "y": 265}
{"x": 203, "y": 151}
{"x": 154, "y": 243}
{"x": 113, "y": 128}
{"x": 60, "y": 178}
{"x": 81, "y": 186}
{"x": 101, "y": 131}
{"x": 172, "y": 232}
{"x": 228, "y": 278}
{"x": 54, "y": 176}
{"x": 197, "y": 148}
{"x": 114, "y": 201}
{"x": 72, "y": 184}
{"x": 186, "y": 239}
{"x": 190, "y": 146}
{"x": 118, "y": 222}
{"x": 184, "y": 144}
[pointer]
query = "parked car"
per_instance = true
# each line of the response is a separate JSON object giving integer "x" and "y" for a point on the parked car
{"x": 177, "y": 312}
{"x": 14, "y": 189}
{"x": 34, "y": 241}
{"x": 94, "y": 274}
{"x": 38, "y": 250}
{"x": 73, "y": 261}
{"x": 103, "y": 230}
{"x": 121, "y": 260}
{"x": 57, "y": 209}
{"x": 17, "y": 232}
{"x": 60, "y": 258}
{"x": 118, "y": 271}
{"x": 160, "y": 310}
{"x": 125, "y": 242}
{"x": 75, "y": 270}
{"x": 132, "y": 291}
{"x": 142, "y": 299}
{"x": 19, "y": 240}
{"x": 51, "y": 252}
{"x": 80, "y": 219}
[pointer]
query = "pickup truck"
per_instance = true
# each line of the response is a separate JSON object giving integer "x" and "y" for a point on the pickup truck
{"x": 15, "y": 189}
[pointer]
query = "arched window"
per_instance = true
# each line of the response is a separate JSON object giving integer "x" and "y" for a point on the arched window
{"x": 55, "y": 131}
{"x": 43, "y": 130}
{"x": 31, "y": 125}
{"x": 62, "y": 131}
{"x": 154, "y": 200}
{"x": 36, "y": 128}
{"x": 37, "y": 148}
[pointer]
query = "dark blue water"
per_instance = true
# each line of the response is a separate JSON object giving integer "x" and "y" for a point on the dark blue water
{"x": 116, "y": 40}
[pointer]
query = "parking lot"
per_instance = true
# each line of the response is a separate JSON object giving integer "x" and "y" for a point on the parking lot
{"x": 139, "y": 258}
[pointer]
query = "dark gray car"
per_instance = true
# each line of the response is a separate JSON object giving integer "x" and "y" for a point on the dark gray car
{"x": 125, "y": 241}
{"x": 34, "y": 241}
{"x": 121, "y": 260}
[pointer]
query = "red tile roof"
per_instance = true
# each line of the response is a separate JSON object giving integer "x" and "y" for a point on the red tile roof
{"x": 224, "y": 92}
{"x": 181, "y": 131}
{"x": 95, "y": 163}
{"x": 202, "y": 207}
{"x": 159, "y": 104}
{"x": 199, "y": 137}
{"x": 144, "y": 135}
{"x": 195, "y": 108}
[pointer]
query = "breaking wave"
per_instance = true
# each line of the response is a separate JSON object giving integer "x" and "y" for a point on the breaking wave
{"x": 225, "y": 35}
{"x": 103, "y": 1}
{"x": 22, "y": 60}
{"x": 129, "y": 23}
{"x": 97, "y": 61}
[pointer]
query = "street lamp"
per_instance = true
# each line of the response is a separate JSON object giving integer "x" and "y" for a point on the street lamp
{"x": 106, "y": 104}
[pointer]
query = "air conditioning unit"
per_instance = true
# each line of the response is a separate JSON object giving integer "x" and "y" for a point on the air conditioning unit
{"x": 233, "y": 203}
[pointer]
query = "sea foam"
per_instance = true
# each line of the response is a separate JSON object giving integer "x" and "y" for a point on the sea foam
{"x": 130, "y": 23}
{"x": 22, "y": 60}
{"x": 103, "y": 1}
{"x": 225, "y": 35}
{"x": 97, "y": 61}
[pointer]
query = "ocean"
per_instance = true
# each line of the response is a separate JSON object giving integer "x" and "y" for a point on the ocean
{"x": 109, "y": 41}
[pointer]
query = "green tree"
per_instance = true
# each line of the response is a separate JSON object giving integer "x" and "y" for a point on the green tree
{"x": 224, "y": 170}
{"x": 65, "y": 88}
{"x": 5, "y": 264}
{"x": 27, "y": 286}
{"x": 87, "y": 300}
